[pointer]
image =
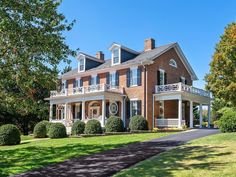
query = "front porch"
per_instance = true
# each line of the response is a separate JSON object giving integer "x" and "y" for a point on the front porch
{"x": 84, "y": 107}
{"x": 173, "y": 105}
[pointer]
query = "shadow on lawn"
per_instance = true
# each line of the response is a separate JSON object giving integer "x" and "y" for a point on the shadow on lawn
{"x": 197, "y": 157}
{"x": 19, "y": 160}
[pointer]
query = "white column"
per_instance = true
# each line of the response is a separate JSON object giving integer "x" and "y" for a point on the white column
{"x": 191, "y": 114}
{"x": 153, "y": 106}
{"x": 65, "y": 111}
{"x": 103, "y": 112}
{"x": 209, "y": 115}
{"x": 83, "y": 110}
{"x": 180, "y": 114}
{"x": 200, "y": 115}
{"x": 51, "y": 112}
{"x": 122, "y": 111}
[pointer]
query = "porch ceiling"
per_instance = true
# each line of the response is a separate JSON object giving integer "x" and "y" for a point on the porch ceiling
{"x": 182, "y": 95}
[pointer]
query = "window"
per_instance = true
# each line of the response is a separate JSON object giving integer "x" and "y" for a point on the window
{"x": 113, "y": 79}
{"x": 162, "y": 77}
{"x": 173, "y": 63}
{"x": 116, "y": 56}
{"x": 134, "y": 77}
{"x": 135, "y": 107}
{"x": 81, "y": 64}
{"x": 183, "y": 80}
{"x": 93, "y": 80}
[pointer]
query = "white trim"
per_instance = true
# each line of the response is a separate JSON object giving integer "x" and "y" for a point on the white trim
{"x": 81, "y": 56}
{"x": 162, "y": 71}
{"x": 133, "y": 99}
{"x": 124, "y": 48}
{"x": 183, "y": 79}
{"x": 171, "y": 61}
{"x": 112, "y": 55}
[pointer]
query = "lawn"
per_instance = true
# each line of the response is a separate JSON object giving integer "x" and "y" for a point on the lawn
{"x": 26, "y": 138}
{"x": 34, "y": 154}
{"x": 213, "y": 156}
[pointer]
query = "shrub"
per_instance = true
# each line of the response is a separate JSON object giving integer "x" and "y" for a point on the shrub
{"x": 78, "y": 128}
{"x": 227, "y": 122}
{"x": 215, "y": 123}
{"x": 57, "y": 130}
{"x": 93, "y": 127}
{"x": 114, "y": 124}
{"x": 9, "y": 135}
{"x": 204, "y": 124}
{"x": 138, "y": 123}
{"x": 47, "y": 125}
{"x": 40, "y": 130}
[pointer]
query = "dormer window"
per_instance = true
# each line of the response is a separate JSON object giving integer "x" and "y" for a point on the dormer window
{"x": 173, "y": 63}
{"x": 116, "y": 56}
{"x": 81, "y": 63}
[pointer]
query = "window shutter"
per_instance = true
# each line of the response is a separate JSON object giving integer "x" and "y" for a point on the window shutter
{"x": 117, "y": 78}
{"x": 139, "y": 81}
{"x": 107, "y": 78}
{"x": 66, "y": 84}
{"x": 139, "y": 111}
{"x": 128, "y": 78}
{"x": 158, "y": 77}
{"x": 186, "y": 82}
{"x": 81, "y": 82}
{"x": 127, "y": 109}
{"x": 98, "y": 80}
{"x": 74, "y": 83}
{"x": 165, "y": 77}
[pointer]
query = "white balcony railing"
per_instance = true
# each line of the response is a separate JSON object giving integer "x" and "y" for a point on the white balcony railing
{"x": 180, "y": 87}
{"x": 168, "y": 122}
{"x": 86, "y": 89}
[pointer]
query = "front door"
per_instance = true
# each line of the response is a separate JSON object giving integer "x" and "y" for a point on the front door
{"x": 94, "y": 112}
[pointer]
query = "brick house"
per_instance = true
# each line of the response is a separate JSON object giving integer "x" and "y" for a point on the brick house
{"x": 155, "y": 83}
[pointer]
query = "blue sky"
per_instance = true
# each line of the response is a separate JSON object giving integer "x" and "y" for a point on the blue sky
{"x": 195, "y": 25}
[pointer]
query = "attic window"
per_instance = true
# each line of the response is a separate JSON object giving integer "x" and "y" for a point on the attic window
{"x": 116, "y": 56}
{"x": 81, "y": 64}
{"x": 173, "y": 63}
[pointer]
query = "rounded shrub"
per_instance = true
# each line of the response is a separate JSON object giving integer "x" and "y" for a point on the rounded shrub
{"x": 57, "y": 130}
{"x": 78, "y": 128}
{"x": 9, "y": 135}
{"x": 93, "y": 127}
{"x": 138, "y": 123}
{"x": 47, "y": 125}
{"x": 227, "y": 122}
{"x": 40, "y": 130}
{"x": 114, "y": 124}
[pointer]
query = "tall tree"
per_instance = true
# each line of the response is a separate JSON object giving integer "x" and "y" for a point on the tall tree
{"x": 66, "y": 69}
{"x": 31, "y": 47}
{"x": 221, "y": 80}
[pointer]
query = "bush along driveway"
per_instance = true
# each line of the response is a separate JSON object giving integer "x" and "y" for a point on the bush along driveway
{"x": 109, "y": 162}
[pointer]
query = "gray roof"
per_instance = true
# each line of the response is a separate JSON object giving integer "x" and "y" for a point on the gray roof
{"x": 142, "y": 57}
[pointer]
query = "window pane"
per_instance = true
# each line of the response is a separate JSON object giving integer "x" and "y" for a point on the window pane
{"x": 116, "y": 56}
{"x": 81, "y": 64}
{"x": 134, "y": 108}
{"x": 134, "y": 77}
{"x": 113, "y": 79}
{"x": 162, "y": 80}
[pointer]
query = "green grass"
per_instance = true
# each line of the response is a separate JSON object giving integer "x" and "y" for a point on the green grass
{"x": 26, "y": 137}
{"x": 212, "y": 156}
{"x": 34, "y": 154}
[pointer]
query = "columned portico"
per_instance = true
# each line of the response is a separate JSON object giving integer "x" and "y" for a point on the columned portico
{"x": 200, "y": 115}
{"x": 191, "y": 114}
{"x": 103, "y": 112}
{"x": 83, "y": 111}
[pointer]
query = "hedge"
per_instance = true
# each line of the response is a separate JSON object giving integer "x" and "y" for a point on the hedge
{"x": 138, "y": 123}
{"x": 93, "y": 127}
{"x": 114, "y": 124}
{"x": 57, "y": 130}
{"x": 40, "y": 130}
{"x": 78, "y": 128}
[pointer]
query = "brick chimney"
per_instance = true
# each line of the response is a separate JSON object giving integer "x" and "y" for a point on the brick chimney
{"x": 100, "y": 55}
{"x": 149, "y": 44}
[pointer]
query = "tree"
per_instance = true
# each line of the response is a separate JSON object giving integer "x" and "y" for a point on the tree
{"x": 221, "y": 80}
{"x": 31, "y": 47}
{"x": 66, "y": 69}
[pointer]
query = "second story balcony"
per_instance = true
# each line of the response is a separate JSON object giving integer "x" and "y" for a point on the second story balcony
{"x": 180, "y": 87}
{"x": 86, "y": 90}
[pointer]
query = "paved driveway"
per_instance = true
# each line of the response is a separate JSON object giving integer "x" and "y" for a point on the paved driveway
{"x": 109, "y": 162}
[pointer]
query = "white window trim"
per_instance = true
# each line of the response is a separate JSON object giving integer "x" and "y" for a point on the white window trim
{"x": 119, "y": 49}
{"x": 183, "y": 79}
{"x": 134, "y": 68}
{"x": 170, "y": 63}
{"x": 130, "y": 106}
{"x": 81, "y": 57}
{"x": 162, "y": 71}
